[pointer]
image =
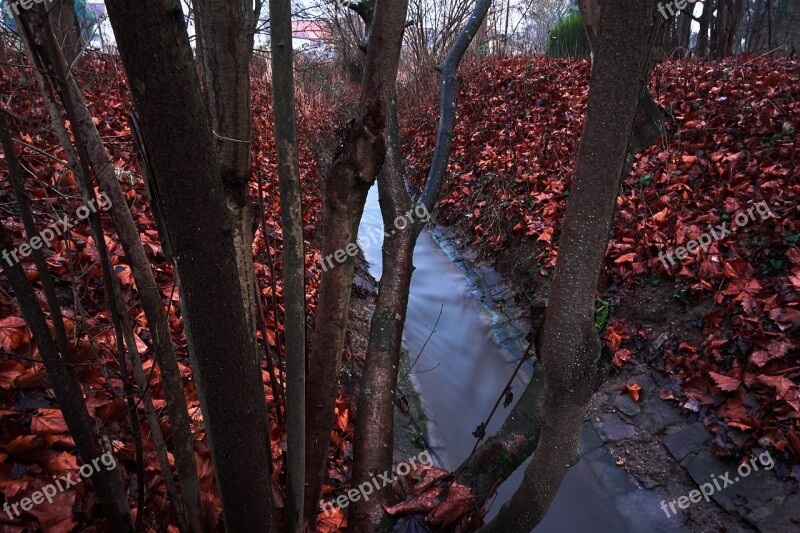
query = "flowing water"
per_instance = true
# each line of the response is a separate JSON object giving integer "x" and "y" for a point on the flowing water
{"x": 459, "y": 373}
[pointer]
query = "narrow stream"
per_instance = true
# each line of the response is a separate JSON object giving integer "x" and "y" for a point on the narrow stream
{"x": 459, "y": 375}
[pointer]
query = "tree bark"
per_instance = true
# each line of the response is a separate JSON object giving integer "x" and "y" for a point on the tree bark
{"x": 372, "y": 452}
{"x": 726, "y": 22}
{"x": 280, "y": 16}
{"x": 108, "y": 483}
{"x": 190, "y": 193}
{"x": 517, "y": 439}
{"x": 352, "y": 173}
{"x": 499, "y": 457}
{"x": 570, "y": 344}
{"x": 47, "y": 60}
{"x": 66, "y": 28}
{"x": 705, "y": 23}
{"x": 226, "y": 70}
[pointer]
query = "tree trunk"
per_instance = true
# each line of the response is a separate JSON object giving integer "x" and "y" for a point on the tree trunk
{"x": 570, "y": 344}
{"x": 705, "y": 23}
{"x": 499, "y": 457}
{"x": 66, "y": 29}
{"x": 189, "y": 192}
{"x": 280, "y": 15}
{"x": 372, "y": 451}
{"x": 352, "y": 173}
{"x": 516, "y": 440}
{"x": 226, "y": 67}
{"x": 727, "y": 20}
{"x": 109, "y": 484}
{"x": 684, "y": 35}
{"x": 86, "y": 133}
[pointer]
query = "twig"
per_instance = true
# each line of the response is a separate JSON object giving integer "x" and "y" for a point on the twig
{"x": 480, "y": 431}
{"x": 423, "y": 347}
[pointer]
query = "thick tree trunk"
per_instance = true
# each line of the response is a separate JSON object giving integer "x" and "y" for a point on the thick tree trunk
{"x": 109, "y": 484}
{"x": 85, "y": 132}
{"x": 570, "y": 344}
{"x": 280, "y": 14}
{"x": 353, "y": 172}
{"x": 226, "y": 70}
{"x": 372, "y": 450}
{"x": 191, "y": 196}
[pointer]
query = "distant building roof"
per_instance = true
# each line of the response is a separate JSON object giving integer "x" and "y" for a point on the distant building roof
{"x": 312, "y": 30}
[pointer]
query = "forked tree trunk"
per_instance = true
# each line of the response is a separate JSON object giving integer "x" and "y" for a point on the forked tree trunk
{"x": 373, "y": 450}
{"x": 352, "y": 173}
{"x": 190, "y": 193}
{"x": 570, "y": 344}
{"x": 294, "y": 292}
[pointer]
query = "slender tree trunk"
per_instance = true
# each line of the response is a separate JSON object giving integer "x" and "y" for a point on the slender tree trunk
{"x": 85, "y": 132}
{"x": 252, "y": 12}
{"x": 119, "y": 319}
{"x": 66, "y": 28}
{"x": 280, "y": 16}
{"x": 372, "y": 453}
{"x": 684, "y": 35}
{"x": 705, "y": 24}
{"x": 570, "y": 344}
{"x": 353, "y": 172}
{"x": 517, "y": 439}
{"x": 109, "y": 484}
{"x": 375, "y": 414}
{"x": 189, "y": 192}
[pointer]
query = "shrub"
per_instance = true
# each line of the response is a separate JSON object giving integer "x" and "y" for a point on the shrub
{"x": 568, "y": 38}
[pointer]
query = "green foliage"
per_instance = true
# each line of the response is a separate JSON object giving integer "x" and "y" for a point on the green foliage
{"x": 568, "y": 38}
{"x": 601, "y": 315}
